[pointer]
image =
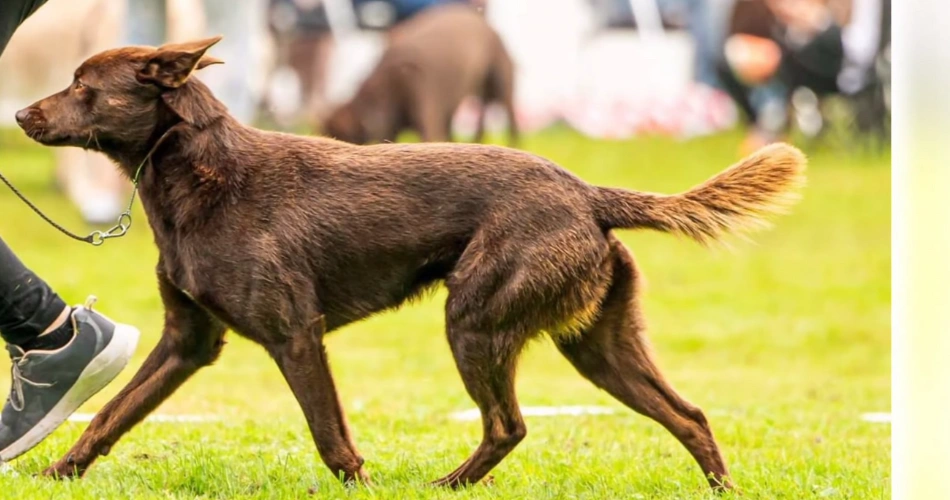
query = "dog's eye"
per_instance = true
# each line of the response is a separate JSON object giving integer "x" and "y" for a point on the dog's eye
{"x": 79, "y": 85}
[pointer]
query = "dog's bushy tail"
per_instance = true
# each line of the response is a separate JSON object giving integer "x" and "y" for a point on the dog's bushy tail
{"x": 738, "y": 199}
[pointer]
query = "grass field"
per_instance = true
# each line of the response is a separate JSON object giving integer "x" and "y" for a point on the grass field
{"x": 784, "y": 342}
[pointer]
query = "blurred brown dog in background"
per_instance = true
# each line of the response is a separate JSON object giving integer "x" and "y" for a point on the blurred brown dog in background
{"x": 433, "y": 62}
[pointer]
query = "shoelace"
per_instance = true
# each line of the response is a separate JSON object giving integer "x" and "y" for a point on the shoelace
{"x": 16, "y": 394}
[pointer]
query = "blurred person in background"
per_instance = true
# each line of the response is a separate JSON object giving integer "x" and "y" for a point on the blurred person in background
{"x": 405, "y": 9}
{"x": 709, "y": 25}
{"x": 304, "y": 42}
{"x": 236, "y": 20}
{"x": 778, "y": 46}
{"x": 707, "y": 21}
{"x": 60, "y": 356}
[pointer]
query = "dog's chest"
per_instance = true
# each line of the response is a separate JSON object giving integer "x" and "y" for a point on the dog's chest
{"x": 183, "y": 270}
{"x": 234, "y": 285}
{"x": 199, "y": 266}
{"x": 207, "y": 280}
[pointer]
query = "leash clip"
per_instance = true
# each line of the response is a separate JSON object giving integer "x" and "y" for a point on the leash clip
{"x": 97, "y": 238}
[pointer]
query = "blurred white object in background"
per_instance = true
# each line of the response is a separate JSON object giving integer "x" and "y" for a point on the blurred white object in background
{"x": 807, "y": 108}
{"x": 284, "y": 94}
{"x": 544, "y": 38}
{"x": 355, "y": 52}
{"x": 186, "y": 20}
{"x": 642, "y": 81}
{"x": 612, "y": 83}
{"x": 354, "y": 56}
{"x": 647, "y": 16}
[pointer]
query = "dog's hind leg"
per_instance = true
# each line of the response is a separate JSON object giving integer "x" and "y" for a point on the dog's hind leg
{"x": 192, "y": 338}
{"x": 486, "y": 362}
{"x": 486, "y": 353}
{"x": 614, "y": 355}
{"x": 302, "y": 359}
{"x": 503, "y": 291}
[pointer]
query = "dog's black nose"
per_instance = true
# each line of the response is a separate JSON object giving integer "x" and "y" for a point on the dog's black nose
{"x": 22, "y": 115}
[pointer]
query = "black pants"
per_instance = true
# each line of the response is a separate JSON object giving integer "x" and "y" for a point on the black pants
{"x": 12, "y": 14}
{"x": 27, "y": 304}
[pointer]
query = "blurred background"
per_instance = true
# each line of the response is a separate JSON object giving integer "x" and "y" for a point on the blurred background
{"x": 802, "y": 70}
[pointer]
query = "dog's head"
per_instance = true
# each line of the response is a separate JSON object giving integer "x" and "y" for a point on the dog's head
{"x": 345, "y": 125}
{"x": 373, "y": 115}
{"x": 116, "y": 97}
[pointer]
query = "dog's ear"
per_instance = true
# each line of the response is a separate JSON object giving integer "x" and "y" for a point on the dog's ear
{"x": 206, "y": 61}
{"x": 172, "y": 64}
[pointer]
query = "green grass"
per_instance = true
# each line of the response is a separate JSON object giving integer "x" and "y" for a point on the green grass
{"x": 784, "y": 342}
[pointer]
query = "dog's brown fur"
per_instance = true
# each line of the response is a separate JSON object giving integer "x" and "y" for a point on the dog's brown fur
{"x": 284, "y": 239}
{"x": 433, "y": 62}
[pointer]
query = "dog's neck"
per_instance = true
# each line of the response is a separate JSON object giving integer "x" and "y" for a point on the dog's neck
{"x": 190, "y": 163}
{"x": 190, "y": 107}
{"x": 194, "y": 104}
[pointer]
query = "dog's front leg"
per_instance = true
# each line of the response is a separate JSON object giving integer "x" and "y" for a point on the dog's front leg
{"x": 192, "y": 338}
{"x": 302, "y": 359}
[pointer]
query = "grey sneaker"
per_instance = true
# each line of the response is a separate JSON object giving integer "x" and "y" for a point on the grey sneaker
{"x": 48, "y": 386}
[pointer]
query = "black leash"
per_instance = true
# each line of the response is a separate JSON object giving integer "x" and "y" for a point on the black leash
{"x": 88, "y": 239}
{"x": 97, "y": 238}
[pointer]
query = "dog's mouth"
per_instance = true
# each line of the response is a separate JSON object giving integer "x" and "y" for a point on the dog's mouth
{"x": 38, "y": 128}
{"x": 46, "y": 136}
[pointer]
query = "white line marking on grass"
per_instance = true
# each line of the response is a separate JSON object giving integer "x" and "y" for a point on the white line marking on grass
{"x": 542, "y": 411}
{"x": 160, "y": 418}
{"x": 877, "y": 417}
{"x": 7, "y": 470}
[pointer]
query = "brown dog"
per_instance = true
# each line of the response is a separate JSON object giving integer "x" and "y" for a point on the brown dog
{"x": 285, "y": 238}
{"x": 433, "y": 62}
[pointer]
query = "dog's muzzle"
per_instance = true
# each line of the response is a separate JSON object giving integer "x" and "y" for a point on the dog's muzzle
{"x": 30, "y": 118}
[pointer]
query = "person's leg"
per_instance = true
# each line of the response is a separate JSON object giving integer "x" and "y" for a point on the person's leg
{"x": 12, "y": 14}
{"x": 60, "y": 356}
{"x": 739, "y": 92}
{"x": 771, "y": 102}
{"x": 816, "y": 65}
{"x": 29, "y": 308}
{"x": 709, "y": 23}
{"x": 762, "y": 107}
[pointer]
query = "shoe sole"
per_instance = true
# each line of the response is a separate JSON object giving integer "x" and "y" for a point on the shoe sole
{"x": 97, "y": 374}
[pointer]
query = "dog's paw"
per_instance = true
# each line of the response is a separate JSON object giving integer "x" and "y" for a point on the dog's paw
{"x": 64, "y": 469}
{"x": 724, "y": 486}
{"x": 359, "y": 478}
{"x": 456, "y": 481}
